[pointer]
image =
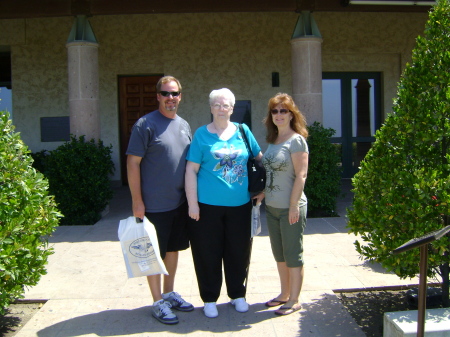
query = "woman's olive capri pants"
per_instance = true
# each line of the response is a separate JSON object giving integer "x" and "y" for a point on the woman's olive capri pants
{"x": 286, "y": 240}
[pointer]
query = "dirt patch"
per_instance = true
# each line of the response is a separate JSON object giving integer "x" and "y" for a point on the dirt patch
{"x": 368, "y": 307}
{"x": 17, "y": 316}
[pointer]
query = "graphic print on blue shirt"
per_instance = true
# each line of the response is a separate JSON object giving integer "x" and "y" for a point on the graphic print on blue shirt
{"x": 229, "y": 163}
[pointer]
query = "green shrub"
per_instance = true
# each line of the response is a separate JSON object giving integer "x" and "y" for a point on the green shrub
{"x": 78, "y": 173}
{"x": 402, "y": 190}
{"x": 323, "y": 184}
{"x": 39, "y": 160}
{"x": 28, "y": 214}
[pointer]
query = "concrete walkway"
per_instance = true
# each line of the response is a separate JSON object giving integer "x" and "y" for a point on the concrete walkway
{"x": 89, "y": 294}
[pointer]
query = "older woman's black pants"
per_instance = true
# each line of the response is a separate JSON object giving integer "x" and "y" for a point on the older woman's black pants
{"x": 221, "y": 235}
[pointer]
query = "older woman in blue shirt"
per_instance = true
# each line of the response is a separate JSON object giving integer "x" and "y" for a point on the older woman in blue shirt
{"x": 219, "y": 204}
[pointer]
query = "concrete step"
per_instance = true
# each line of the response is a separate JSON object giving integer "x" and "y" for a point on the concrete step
{"x": 404, "y": 323}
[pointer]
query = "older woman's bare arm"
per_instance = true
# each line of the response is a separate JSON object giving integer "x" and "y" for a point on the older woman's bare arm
{"x": 191, "y": 189}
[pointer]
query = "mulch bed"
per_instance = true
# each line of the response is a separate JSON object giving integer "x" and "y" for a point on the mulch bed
{"x": 18, "y": 314}
{"x": 368, "y": 307}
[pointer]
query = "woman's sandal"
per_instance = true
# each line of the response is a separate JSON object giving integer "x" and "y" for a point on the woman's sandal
{"x": 288, "y": 310}
{"x": 274, "y": 303}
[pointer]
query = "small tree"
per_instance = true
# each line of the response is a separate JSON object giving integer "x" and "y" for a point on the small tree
{"x": 28, "y": 215}
{"x": 402, "y": 190}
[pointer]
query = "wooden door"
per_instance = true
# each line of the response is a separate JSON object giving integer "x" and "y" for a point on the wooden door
{"x": 137, "y": 97}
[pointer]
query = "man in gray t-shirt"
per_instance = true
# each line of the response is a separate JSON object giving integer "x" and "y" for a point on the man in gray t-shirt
{"x": 162, "y": 143}
{"x": 156, "y": 165}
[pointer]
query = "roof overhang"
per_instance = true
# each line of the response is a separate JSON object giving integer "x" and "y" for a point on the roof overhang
{"x": 13, "y": 9}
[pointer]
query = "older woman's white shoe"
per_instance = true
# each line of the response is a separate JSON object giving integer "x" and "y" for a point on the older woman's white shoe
{"x": 240, "y": 304}
{"x": 210, "y": 310}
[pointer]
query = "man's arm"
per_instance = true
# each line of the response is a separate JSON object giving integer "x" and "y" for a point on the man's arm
{"x": 134, "y": 182}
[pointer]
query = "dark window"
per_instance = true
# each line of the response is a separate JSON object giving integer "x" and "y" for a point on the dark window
{"x": 55, "y": 129}
{"x": 352, "y": 107}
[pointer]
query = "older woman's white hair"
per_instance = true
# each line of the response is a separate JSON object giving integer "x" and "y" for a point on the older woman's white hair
{"x": 222, "y": 93}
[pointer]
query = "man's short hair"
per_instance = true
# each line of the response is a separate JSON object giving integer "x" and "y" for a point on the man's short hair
{"x": 167, "y": 79}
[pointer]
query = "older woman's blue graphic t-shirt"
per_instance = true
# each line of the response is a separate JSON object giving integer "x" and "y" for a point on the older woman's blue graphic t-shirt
{"x": 222, "y": 177}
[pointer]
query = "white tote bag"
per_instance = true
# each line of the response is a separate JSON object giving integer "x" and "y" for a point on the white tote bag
{"x": 140, "y": 247}
{"x": 256, "y": 219}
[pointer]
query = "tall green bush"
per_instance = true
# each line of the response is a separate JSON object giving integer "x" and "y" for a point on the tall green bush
{"x": 79, "y": 175}
{"x": 28, "y": 214}
{"x": 323, "y": 184}
{"x": 402, "y": 190}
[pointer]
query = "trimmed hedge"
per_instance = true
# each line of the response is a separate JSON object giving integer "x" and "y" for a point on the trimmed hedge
{"x": 323, "y": 184}
{"x": 79, "y": 176}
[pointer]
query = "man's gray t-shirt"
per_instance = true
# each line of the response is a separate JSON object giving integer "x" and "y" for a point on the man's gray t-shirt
{"x": 280, "y": 171}
{"x": 162, "y": 143}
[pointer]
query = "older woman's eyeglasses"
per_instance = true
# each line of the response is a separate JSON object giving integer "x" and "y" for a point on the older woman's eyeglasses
{"x": 282, "y": 111}
{"x": 168, "y": 93}
{"x": 218, "y": 106}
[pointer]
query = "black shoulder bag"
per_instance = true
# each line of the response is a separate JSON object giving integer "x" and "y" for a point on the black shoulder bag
{"x": 256, "y": 174}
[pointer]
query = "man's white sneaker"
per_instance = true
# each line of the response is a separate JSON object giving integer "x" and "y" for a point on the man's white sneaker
{"x": 210, "y": 309}
{"x": 240, "y": 304}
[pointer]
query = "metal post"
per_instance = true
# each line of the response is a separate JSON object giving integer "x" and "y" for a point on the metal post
{"x": 422, "y": 242}
{"x": 422, "y": 291}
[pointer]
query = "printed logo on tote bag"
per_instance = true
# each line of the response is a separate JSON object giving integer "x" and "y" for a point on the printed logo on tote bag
{"x": 141, "y": 248}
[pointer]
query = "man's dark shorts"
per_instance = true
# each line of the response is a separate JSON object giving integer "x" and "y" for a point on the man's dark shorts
{"x": 171, "y": 229}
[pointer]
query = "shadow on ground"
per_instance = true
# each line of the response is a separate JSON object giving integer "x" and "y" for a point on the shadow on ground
{"x": 327, "y": 314}
{"x": 139, "y": 320}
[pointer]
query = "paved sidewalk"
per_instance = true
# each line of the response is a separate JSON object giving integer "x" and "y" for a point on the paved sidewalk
{"x": 89, "y": 294}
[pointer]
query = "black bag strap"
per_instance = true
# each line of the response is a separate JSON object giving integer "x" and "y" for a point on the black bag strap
{"x": 241, "y": 129}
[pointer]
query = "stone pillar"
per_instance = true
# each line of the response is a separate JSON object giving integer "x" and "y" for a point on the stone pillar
{"x": 83, "y": 81}
{"x": 306, "y": 46}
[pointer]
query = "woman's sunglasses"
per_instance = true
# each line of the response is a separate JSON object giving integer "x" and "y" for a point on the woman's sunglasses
{"x": 168, "y": 93}
{"x": 282, "y": 111}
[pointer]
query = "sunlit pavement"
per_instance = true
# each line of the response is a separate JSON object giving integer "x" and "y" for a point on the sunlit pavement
{"x": 89, "y": 294}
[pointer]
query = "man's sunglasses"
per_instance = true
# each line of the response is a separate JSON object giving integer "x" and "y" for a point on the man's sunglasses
{"x": 168, "y": 93}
